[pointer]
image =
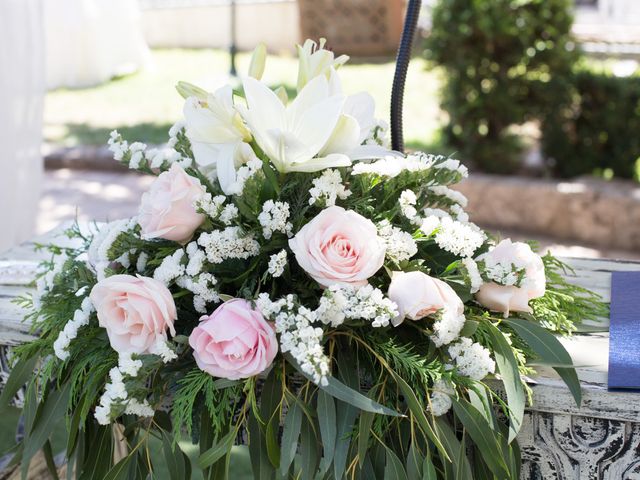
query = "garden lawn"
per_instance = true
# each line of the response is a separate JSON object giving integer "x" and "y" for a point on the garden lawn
{"x": 144, "y": 105}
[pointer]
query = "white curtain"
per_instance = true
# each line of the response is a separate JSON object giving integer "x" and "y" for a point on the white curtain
{"x": 90, "y": 41}
{"x": 21, "y": 103}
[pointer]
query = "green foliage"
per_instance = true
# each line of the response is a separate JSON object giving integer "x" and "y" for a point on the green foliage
{"x": 596, "y": 131}
{"x": 565, "y": 306}
{"x": 506, "y": 62}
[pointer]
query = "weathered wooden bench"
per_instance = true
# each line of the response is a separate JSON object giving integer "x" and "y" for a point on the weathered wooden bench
{"x": 599, "y": 440}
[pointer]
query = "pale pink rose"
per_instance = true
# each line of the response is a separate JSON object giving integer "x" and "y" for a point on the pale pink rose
{"x": 339, "y": 247}
{"x": 234, "y": 342}
{"x": 419, "y": 295}
{"x": 167, "y": 210}
{"x": 509, "y": 298}
{"x": 135, "y": 311}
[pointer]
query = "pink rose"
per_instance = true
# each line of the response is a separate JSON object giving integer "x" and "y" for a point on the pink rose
{"x": 508, "y": 255}
{"x": 339, "y": 247}
{"x": 419, "y": 295}
{"x": 167, "y": 210}
{"x": 234, "y": 342}
{"x": 135, "y": 311}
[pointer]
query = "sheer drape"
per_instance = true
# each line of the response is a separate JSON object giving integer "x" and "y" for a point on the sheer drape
{"x": 21, "y": 103}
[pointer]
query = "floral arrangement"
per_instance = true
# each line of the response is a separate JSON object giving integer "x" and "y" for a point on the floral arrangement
{"x": 292, "y": 284}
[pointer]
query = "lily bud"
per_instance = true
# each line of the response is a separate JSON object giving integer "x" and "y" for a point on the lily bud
{"x": 186, "y": 90}
{"x": 258, "y": 60}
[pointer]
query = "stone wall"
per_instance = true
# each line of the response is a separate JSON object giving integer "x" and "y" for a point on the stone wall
{"x": 599, "y": 213}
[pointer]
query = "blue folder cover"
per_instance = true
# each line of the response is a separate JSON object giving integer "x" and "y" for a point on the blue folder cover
{"x": 624, "y": 331}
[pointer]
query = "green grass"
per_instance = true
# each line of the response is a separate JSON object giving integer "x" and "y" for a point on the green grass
{"x": 144, "y": 105}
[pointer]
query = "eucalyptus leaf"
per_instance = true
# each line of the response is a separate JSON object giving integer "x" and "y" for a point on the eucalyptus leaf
{"x": 290, "y": 436}
{"x": 487, "y": 440}
{"x": 508, "y": 368}
{"x": 394, "y": 468}
{"x": 549, "y": 349}
{"x": 328, "y": 429}
{"x": 21, "y": 373}
{"x": 260, "y": 464}
{"x": 219, "y": 450}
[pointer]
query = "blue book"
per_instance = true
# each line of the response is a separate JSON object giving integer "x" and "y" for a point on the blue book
{"x": 624, "y": 331}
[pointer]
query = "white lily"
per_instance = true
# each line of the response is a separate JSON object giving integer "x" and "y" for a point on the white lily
{"x": 214, "y": 126}
{"x": 292, "y": 135}
{"x": 314, "y": 60}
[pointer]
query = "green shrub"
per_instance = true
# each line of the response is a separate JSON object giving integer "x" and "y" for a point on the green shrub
{"x": 599, "y": 130}
{"x": 506, "y": 62}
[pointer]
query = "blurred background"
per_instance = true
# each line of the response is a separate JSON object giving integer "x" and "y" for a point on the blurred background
{"x": 540, "y": 98}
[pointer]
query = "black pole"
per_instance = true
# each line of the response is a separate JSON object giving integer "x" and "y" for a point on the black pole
{"x": 400, "y": 76}
{"x": 232, "y": 47}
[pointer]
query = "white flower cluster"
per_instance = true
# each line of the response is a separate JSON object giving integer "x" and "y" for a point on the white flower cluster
{"x": 277, "y": 263}
{"x": 220, "y": 245}
{"x": 163, "y": 350}
{"x": 243, "y": 174}
{"x": 400, "y": 244}
{"x": 451, "y": 164}
{"x": 171, "y": 268}
{"x": 45, "y": 282}
{"x": 273, "y": 218}
{"x": 407, "y": 203}
{"x": 378, "y": 134}
{"x": 471, "y": 359}
{"x": 327, "y": 188}
{"x": 340, "y": 302}
{"x": 474, "y": 274}
{"x": 115, "y": 392}
{"x": 502, "y": 271}
{"x": 156, "y": 158}
{"x": 392, "y": 166}
{"x": 447, "y": 327}
{"x": 98, "y": 254}
{"x": 215, "y": 209}
{"x": 453, "y": 195}
{"x": 459, "y": 238}
{"x": 440, "y": 400}
{"x": 70, "y": 331}
{"x": 298, "y": 336}
{"x": 188, "y": 274}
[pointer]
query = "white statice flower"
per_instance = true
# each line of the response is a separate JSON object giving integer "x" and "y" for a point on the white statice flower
{"x": 471, "y": 359}
{"x": 202, "y": 287}
{"x": 447, "y": 326}
{"x": 211, "y": 205}
{"x": 453, "y": 195}
{"x": 220, "y": 245}
{"x": 440, "y": 400}
{"x": 141, "y": 409}
{"x": 459, "y": 213}
{"x": 228, "y": 214}
{"x": 407, "y": 203}
{"x": 174, "y": 131}
{"x": 298, "y": 336}
{"x": 243, "y": 174}
{"x": 273, "y": 218}
{"x": 400, "y": 244}
{"x": 473, "y": 272}
{"x": 452, "y": 165}
{"x": 509, "y": 271}
{"x": 98, "y": 254}
{"x": 163, "y": 350}
{"x": 70, "y": 331}
{"x": 327, "y": 188}
{"x": 340, "y": 302}
{"x": 277, "y": 263}
{"x": 127, "y": 365}
{"x": 117, "y": 145}
{"x": 171, "y": 268}
{"x": 392, "y": 166}
{"x": 196, "y": 261}
{"x": 461, "y": 239}
{"x": 141, "y": 262}
{"x": 378, "y": 134}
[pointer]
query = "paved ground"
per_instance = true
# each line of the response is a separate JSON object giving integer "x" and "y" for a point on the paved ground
{"x": 103, "y": 196}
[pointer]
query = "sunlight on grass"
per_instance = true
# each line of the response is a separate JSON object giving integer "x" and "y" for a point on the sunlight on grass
{"x": 144, "y": 105}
